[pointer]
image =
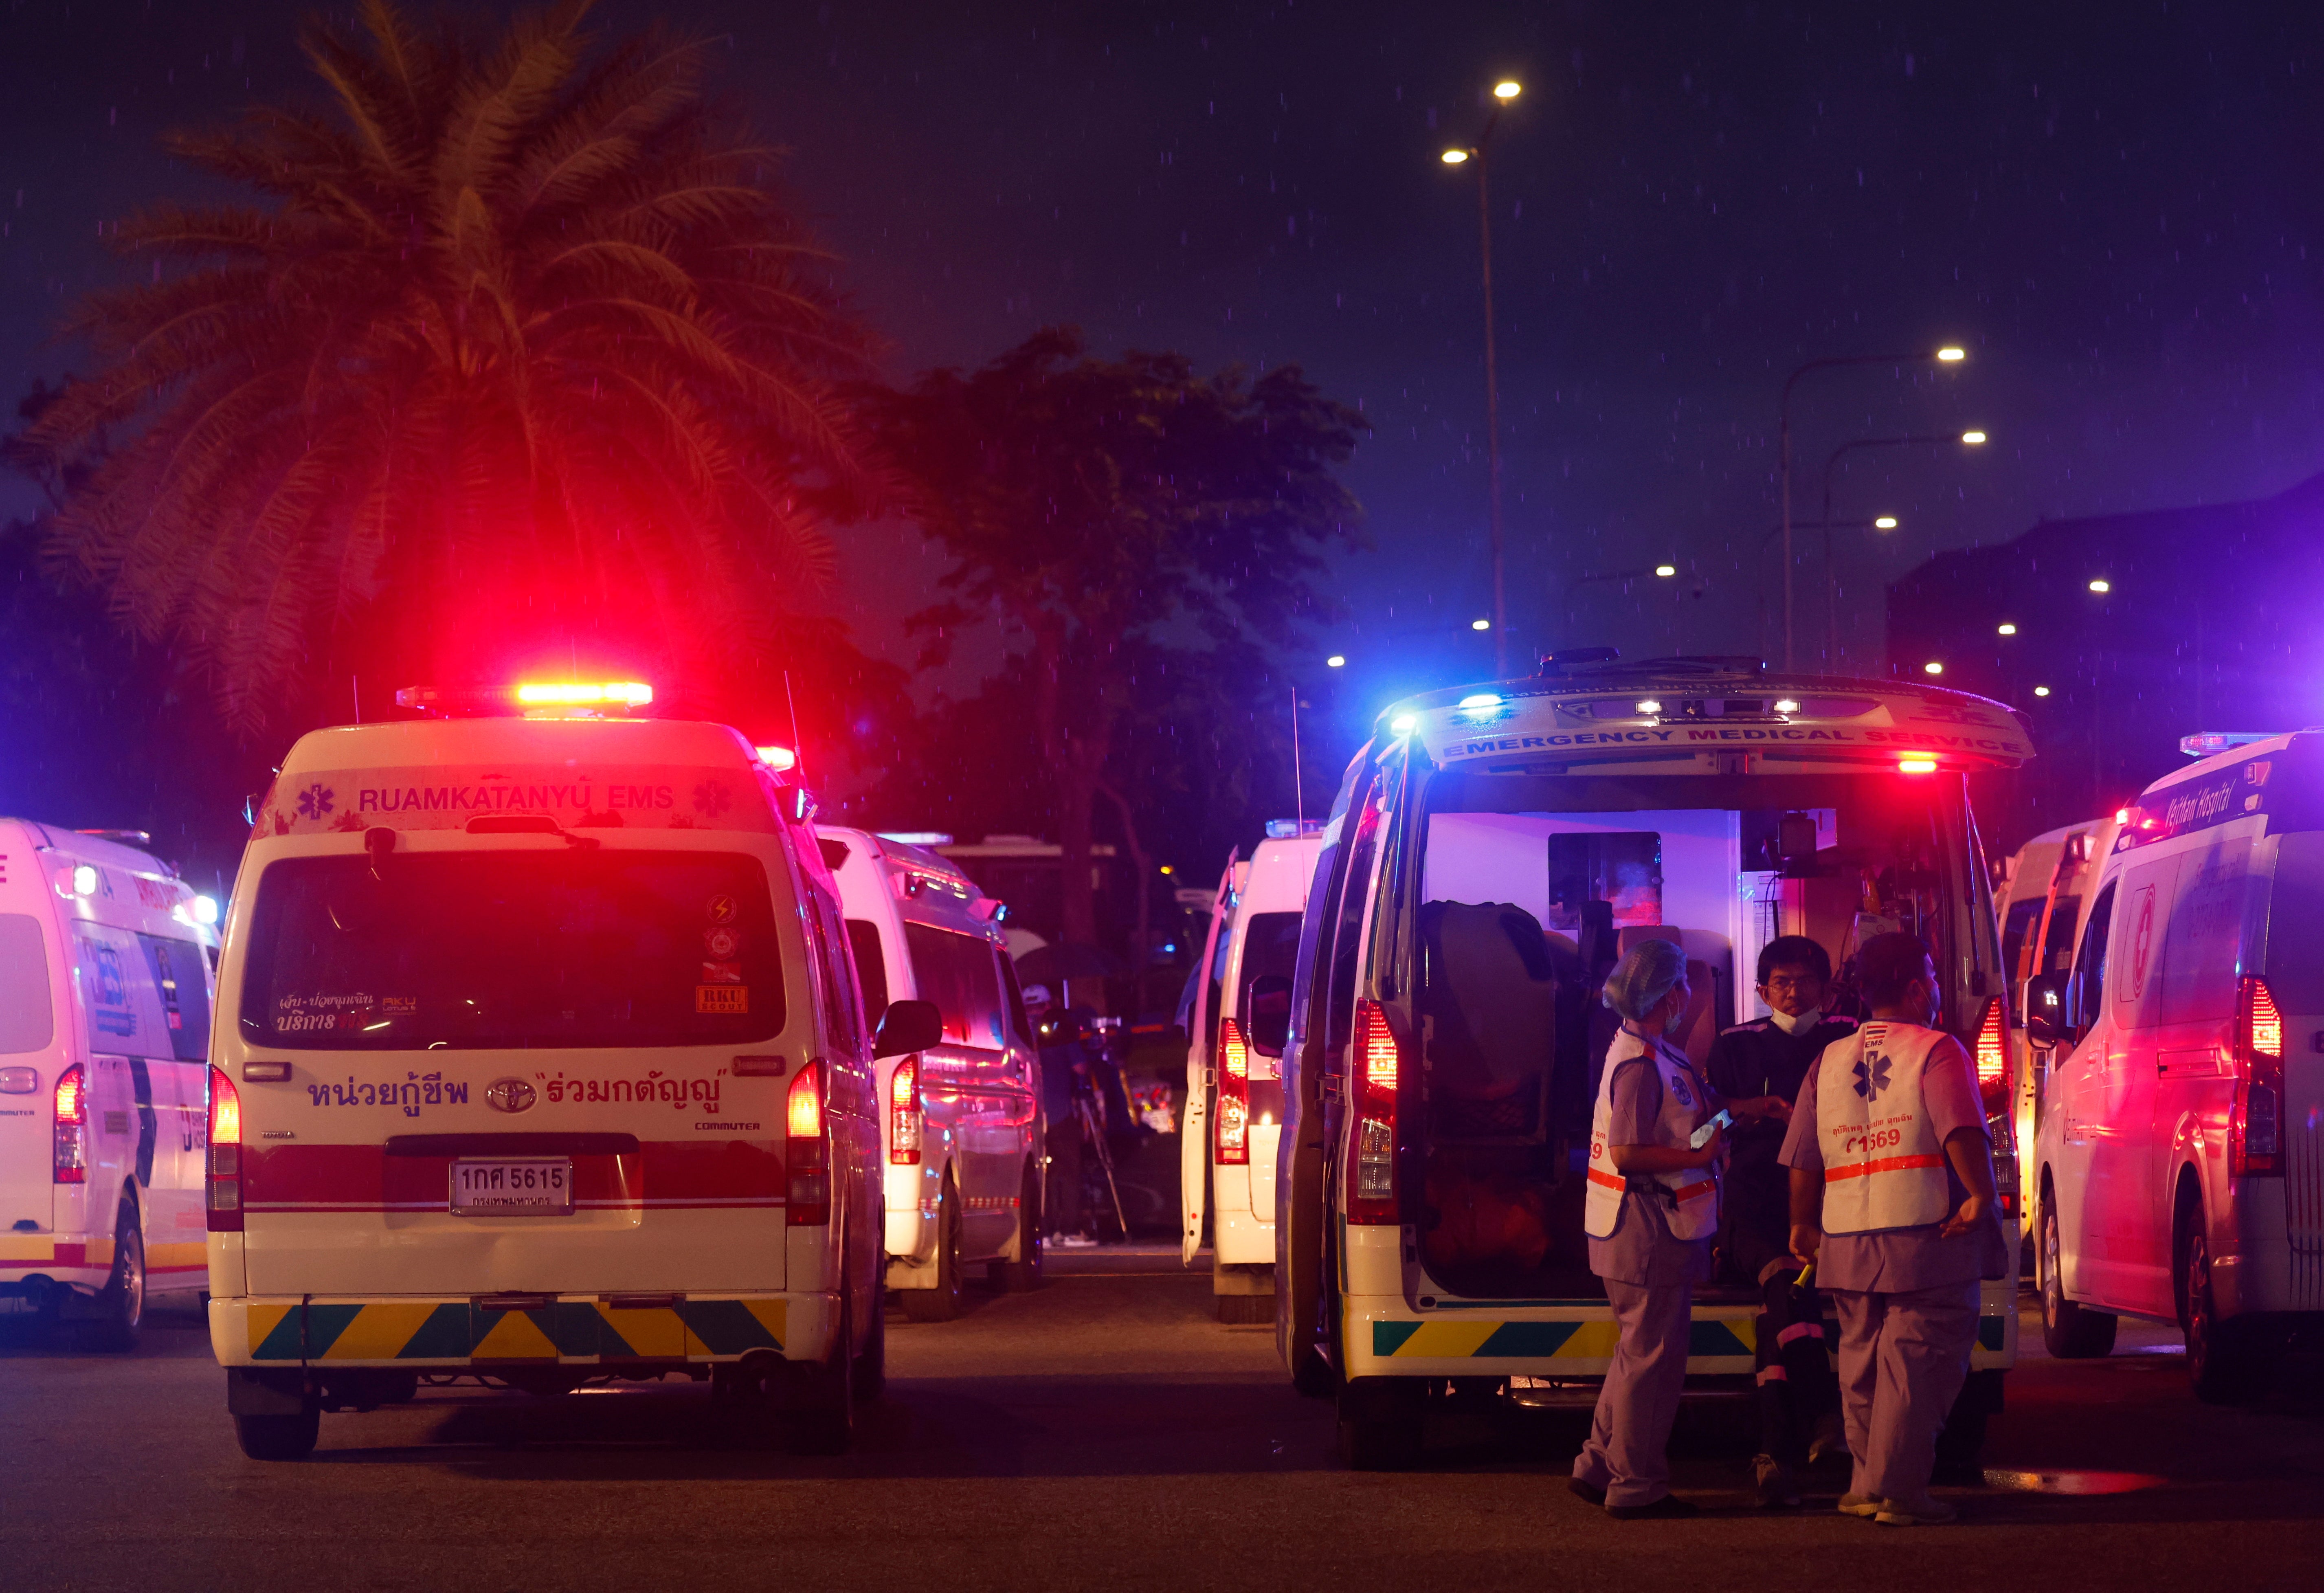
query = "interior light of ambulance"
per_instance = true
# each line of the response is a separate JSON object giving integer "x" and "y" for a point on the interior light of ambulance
{"x": 779, "y": 758}
{"x": 2254, "y": 1133}
{"x": 1234, "y": 1117}
{"x": 1916, "y": 766}
{"x": 627, "y": 694}
{"x": 807, "y": 1150}
{"x": 1371, "y": 1142}
{"x": 222, "y": 1197}
{"x": 904, "y": 1118}
{"x": 73, "y": 1126}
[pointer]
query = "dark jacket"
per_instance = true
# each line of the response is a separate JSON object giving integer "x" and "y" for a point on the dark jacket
{"x": 1757, "y": 1058}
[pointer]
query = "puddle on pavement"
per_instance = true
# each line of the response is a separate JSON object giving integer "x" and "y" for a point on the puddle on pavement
{"x": 2072, "y": 1482}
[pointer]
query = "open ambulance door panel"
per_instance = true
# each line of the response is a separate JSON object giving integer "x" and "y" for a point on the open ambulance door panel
{"x": 1306, "y": 1228}
{"x": 1194, "y": 1122}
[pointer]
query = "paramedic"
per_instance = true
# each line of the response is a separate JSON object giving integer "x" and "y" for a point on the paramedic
{"x": 1758, "y": 1067}
{"x": 1064, "y": 1076}
{"x": 1893, "y": 1199}
{"x": 1651, "y": 1209}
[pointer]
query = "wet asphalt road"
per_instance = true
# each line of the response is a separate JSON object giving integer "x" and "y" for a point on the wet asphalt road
{"x": 1103, "y": 1433}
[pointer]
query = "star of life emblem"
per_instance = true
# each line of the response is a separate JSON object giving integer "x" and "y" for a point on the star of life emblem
{"x": 1871, "y": 1076}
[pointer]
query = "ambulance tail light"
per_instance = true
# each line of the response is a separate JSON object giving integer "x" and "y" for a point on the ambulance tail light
{"x": 1993, "y": 1056}
{"x": 2255, "y": 1133}
{"x": 1373, "y": 1071}
{"x": 1233, "y": 1119}
{"x": 904, "y": 1115}
{"x": 807, "y": 1148}
{"x": 223, "y": 1197}
{"x": 73, "y": 1126}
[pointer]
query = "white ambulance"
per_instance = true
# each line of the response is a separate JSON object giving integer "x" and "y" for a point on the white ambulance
{"x": 106, "y": 970}
{"x": 960, "y": 1119}
{"x": 2180, "y": 1163}
{"x": 1234, "y": 1068}
{"x": 2044, "y": 900}
{"x": 542, "y": 1064}
{"x": 1493, "y": 853}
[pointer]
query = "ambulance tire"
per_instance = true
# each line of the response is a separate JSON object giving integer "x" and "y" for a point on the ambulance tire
{"x": 824, "y": 1422}
{"x": 2228, "y": 1362}
{"x": 1023, "y": 1274}
{"x": 2069, "y": 1331}
{"x": 121, "y": 1304}
{"x": 941, "y": 1304}
{"x": 279, "y": 1438}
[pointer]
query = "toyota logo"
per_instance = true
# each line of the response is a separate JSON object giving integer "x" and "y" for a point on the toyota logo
{"x": 509, "y": 1095}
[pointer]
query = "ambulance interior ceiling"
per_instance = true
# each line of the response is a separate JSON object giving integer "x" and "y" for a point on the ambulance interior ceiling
{"x": 1720, "y": 865}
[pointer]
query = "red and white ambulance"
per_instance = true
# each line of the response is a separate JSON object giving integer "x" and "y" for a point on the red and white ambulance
{"x": 106, "y": 960}
{"x": 541, "y": 1063}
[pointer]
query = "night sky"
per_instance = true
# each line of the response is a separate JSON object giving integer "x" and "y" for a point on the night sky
{"x": 2112, "y": 207}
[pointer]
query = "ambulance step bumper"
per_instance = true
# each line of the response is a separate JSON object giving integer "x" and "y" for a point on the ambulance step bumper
{"x": 488, "y": 1332}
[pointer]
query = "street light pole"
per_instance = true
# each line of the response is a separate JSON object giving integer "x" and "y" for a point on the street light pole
{"x": 1503, "y": 92}
{"x": 1830, "y": 586}
{"x": 1945, "y": 357}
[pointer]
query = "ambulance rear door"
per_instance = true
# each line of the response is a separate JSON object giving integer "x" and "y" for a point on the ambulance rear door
{"x": 1194, "y": 1122}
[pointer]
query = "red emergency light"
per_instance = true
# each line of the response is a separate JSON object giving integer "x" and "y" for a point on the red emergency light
{"x": 625, "y": 693}
{"x": 551, "y": 699}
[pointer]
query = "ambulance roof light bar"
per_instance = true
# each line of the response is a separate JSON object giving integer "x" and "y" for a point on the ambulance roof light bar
{"x": 558, "y": 699}
{"x": 2203, "y": 743}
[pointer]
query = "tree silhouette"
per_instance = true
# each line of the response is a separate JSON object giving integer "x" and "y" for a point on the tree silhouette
{"x": 523, "y": 357}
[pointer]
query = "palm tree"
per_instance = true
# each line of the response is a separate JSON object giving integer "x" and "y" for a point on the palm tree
{"x": 524, "y": 353}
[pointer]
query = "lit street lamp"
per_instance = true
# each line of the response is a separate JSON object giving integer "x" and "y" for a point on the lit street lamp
{"x": 1947, "y": 356}
{"x": 1885, "y": 523}
{"x": 1503, "y": 93}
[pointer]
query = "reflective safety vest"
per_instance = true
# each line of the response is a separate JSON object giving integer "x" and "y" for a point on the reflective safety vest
{"x": 1690, "y": 1199}
{"x": 1883, "y": 1166}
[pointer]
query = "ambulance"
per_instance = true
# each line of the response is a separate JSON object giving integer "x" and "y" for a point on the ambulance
{"x": 1234, "y": 1070}
{"x": 2180, "y": 1165}
{"x": 543, "y": 1065}
{"x": 1493, "y": 853}
{"x": 960, "y": 1120}
{"x": 106, "y": 959}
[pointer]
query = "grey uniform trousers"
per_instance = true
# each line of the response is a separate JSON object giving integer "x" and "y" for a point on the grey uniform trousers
{"x": 1630, "y": 1438}
{"x": 1902, "y": 1359}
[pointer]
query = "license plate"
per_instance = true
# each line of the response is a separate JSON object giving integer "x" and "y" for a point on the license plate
{"x": 534, "y": 1187}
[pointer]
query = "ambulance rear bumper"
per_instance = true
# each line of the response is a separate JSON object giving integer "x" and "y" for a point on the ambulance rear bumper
{"x": 619, "y": 1335}
{"x": 1385, "y": 1337}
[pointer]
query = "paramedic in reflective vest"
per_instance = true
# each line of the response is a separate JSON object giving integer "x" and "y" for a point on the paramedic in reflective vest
{"x": 1892, "y": 1200}
{"x": 1651, "y": 1210}
{"x": 1758, "y": 1067}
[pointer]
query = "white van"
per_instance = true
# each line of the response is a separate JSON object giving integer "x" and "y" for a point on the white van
{"x": 542, "y": 1064}
{"x": 2044, "y": 900}
{"x": 2180, "y": 1166}
{"x": 960, "y": 1120}
{"x": 106, "y": 971}
{"x": 1235, "y": 1069}
{"x": 1491, "y": 854}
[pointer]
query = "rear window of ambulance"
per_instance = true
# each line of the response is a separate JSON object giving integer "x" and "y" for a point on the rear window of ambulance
{"x": 510, "y": 950}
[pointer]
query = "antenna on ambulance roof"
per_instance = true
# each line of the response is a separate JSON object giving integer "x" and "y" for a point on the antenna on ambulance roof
{"x": 798, "y": 749}
{"x": 1298, "y": 791}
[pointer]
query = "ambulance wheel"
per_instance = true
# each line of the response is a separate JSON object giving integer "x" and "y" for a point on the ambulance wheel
{"x": 824, "y": 1422}
{"x": 871, "y": 1364}
{"x": 2069, "y": 1331}
{"x": 2227, "y": 1361}
{"x": 1023, "y": 1274}
{"x": 279, "y": 1438}
{"x": 121, "y": 1305}
{"x": 941, "y": 1304}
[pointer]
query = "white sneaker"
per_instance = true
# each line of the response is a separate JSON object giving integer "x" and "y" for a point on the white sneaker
{"x": 1923, "y": 1510}
{"x": 1074, "y": 1241}
{"x": 1868, "y": 1505}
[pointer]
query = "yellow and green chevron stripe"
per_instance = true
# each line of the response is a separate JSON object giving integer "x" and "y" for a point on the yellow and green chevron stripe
{"x": 1588, "y": 1338}
{"x": 458, "y": 1331}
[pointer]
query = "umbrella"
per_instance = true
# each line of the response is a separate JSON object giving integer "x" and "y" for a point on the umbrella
{"x": 1056, "y": 963}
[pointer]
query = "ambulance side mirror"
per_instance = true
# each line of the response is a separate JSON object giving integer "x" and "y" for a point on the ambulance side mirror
{"x": 2045, "y": 1010}
{"x": 908, "y": 1026}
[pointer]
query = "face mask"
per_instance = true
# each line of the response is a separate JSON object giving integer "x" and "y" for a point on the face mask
{"x": 1800, "y": 1025}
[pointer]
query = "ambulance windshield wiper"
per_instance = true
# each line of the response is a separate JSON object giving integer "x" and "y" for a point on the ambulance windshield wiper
{"x": 528, "y": 825}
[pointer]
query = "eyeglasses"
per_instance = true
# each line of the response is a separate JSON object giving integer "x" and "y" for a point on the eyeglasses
{"x": 1782, "y": 983}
